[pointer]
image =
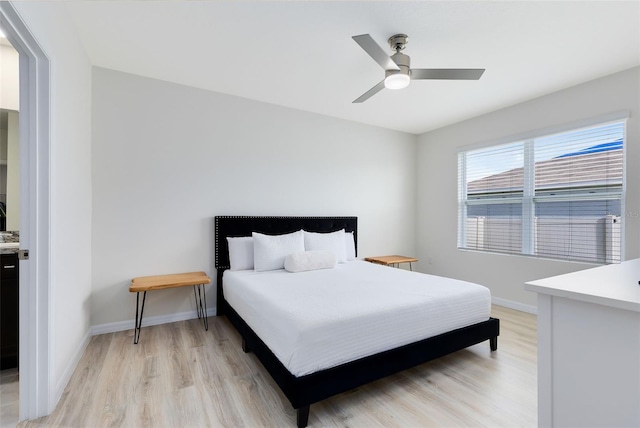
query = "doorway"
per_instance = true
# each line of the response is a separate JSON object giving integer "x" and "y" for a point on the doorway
{"x": 34, "y": 272}
{"x": 9, "y": 233}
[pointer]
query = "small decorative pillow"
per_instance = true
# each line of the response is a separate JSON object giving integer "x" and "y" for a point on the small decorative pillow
{"x": 240, "y": 253}
{"x": 332, "y": 241}
{"x": 309, "y": 260}
{"x": 350, "y": 243}
{"x": 269, "y": 251}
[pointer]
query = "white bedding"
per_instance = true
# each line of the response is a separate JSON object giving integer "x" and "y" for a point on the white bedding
{"x": 319, "y": 319}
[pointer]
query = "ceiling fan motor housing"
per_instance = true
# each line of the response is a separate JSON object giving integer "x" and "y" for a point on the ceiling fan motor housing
{"x": 403, "y": 61}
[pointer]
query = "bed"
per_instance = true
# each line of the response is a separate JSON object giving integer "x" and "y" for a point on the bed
{"x": 304, "y": 373}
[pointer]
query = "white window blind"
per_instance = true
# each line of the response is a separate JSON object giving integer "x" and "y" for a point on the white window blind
{"x": 556, "y": 196}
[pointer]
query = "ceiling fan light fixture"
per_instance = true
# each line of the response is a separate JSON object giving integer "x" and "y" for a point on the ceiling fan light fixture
{"x": 398, "y": 71}
{"x": 396, "y": 80}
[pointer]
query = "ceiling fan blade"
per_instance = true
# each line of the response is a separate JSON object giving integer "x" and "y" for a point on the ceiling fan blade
{"x": 371, "y": 92}
{"x": 447, "y": 73}
{"x": 374, "y": 50}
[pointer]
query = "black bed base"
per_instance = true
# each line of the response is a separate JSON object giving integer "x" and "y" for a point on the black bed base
{"x": 306, "y": 390}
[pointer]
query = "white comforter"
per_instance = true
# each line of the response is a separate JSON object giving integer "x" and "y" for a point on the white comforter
{"x": 319, "y": 319}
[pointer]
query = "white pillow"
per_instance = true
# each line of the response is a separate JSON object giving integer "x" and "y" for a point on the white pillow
{"x": 350, "y": 243}
{"x": 332, "y": 241}
{"x": 309, "y": 260}
{"x": 269, "y": 251}
{"x": 240, "y": 253}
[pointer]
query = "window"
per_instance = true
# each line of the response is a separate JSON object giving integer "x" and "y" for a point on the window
{"x": 557, "y": 196}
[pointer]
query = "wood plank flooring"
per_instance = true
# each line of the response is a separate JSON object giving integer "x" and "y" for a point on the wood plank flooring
{"x": 179, "y": 376}
{"x": 9, "y": 405}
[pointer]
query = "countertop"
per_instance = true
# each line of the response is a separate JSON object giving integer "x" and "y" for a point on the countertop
{"x": 615, "y": 285}
{"x": 11, "y": 238}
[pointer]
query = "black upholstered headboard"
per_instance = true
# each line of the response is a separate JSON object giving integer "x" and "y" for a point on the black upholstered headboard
{"x": 234, "y": 226}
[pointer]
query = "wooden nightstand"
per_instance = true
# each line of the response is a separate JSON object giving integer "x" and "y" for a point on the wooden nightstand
{"x": 159, "y": 282}
{"x": 392, "y": 260}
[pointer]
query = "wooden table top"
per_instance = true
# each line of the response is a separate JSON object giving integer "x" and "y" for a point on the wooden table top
{"x": 158, "y": 282}
{"x": 391, "y": 260}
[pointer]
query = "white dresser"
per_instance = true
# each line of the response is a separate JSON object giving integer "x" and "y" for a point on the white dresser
{"x": 589, "y": 347}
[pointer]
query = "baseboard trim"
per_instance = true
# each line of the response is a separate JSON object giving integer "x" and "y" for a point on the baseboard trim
{"x": 71, "y": 367}
{"x": 112, "y": 327}
{"x": 514, "y": 305}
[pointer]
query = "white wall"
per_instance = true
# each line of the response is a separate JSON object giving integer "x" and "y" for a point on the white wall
{"x": 70, "y": 185}
{"x": 9, "y": 100}
{"x": 437, "y": 182}
{"x": 13, "y": 173}
{"x": 9, "y": 87}
{"x": 168, "y": 158}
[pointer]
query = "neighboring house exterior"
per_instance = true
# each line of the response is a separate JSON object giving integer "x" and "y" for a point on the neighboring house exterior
{"x": 572, "y": 202}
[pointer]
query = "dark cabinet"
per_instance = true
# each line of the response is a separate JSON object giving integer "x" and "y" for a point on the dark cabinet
{"x": 9, "y": 300}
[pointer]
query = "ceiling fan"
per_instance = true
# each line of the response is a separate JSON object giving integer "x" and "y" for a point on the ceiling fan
{"x": 398, "y": 72}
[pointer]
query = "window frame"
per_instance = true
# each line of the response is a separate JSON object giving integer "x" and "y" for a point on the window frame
{"x": 529, "y": 198}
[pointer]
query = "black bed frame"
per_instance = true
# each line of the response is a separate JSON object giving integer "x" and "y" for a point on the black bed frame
{"x": 308, "y": 389}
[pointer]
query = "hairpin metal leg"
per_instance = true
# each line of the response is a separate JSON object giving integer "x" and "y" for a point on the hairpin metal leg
{"x": 138, "y": 326}
{"x": 200, "y": 295}
{"x": 204, "y": 312}
{"x": 195, "y": 297}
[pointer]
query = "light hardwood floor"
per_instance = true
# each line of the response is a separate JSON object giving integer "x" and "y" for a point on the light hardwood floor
{"x": 9, "y": 404}
{"x": 181, "y": 376}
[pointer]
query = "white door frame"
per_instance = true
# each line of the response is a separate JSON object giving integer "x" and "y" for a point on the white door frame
{"x": 36, "y": 393}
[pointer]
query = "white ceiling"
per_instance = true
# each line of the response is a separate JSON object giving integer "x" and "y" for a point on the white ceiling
{"x": 301, "y": 55}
